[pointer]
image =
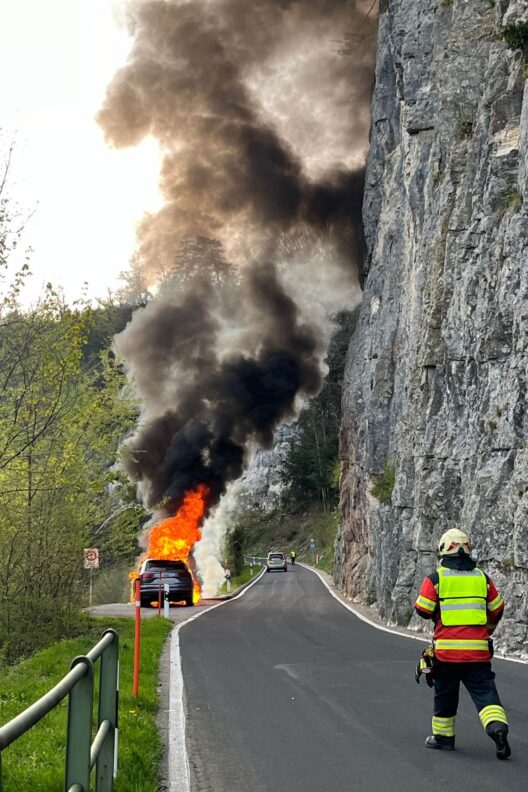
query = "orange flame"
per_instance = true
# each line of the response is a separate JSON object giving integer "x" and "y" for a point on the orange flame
{"x": 175, "y": 537}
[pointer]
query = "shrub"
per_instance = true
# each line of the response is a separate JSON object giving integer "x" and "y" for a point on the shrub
{"x": 516, "y": 36}
{"x": 512, "y": 201}
{"x": 384, "y": 483}
{"x": 465, "y": 127}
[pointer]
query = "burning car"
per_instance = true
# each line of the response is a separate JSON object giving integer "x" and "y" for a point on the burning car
{"x": 154, "y": 573}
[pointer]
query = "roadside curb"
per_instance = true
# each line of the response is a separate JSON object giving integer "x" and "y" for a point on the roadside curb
{"x": 237, "y": 591}
{"x": 178, "y": 771}
{"x": 402, "y": 633}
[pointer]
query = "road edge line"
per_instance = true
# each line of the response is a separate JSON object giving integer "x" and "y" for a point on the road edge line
{"x": 363, "y": 618}
{"x": 179, "y": 771}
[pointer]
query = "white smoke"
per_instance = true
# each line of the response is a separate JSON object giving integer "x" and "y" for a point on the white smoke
{"x": 210, "y": 549}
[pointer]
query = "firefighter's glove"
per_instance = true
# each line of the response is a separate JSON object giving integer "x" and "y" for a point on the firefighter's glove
{"x": 425, "y": 666}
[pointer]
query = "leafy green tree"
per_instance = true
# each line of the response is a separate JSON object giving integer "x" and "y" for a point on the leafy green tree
{"x": 311, "y": 468}
{"x": 235, "y": 551}
{"x": 60, "y": 425}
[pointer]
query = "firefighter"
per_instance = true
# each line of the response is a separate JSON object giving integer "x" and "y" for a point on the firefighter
{"x": 292, "y": 557}
{"x": 466, "y": 608}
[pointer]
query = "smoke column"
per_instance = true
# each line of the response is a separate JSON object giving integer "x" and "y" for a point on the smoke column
{"x": 263, "y": 128}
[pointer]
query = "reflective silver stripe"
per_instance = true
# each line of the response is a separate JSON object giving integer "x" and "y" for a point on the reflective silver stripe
{"x": 426, "y": 603}
{"x": 493, "y": 712}
{"x": 459, "y": 573}
{"x": 469, "y": 605}
{"x": 443, "y": 726}
{"x": 496, "y": 603}
{"x": 451, "y": 643}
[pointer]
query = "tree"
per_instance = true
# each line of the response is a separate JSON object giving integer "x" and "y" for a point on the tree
{"x": 135, "y": 290}
{"x": 310, "y": 467}
{"x": 60, "y": 426}
{"x": 198, "y": 258}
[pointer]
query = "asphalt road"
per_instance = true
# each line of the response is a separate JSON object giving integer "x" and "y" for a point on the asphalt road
{"x": 286, "y": 690}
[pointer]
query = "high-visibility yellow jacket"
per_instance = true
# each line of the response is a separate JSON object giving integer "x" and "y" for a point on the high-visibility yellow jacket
{"x": 465, "y": 606}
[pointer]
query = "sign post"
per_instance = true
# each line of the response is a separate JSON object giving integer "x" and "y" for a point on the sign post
{"x": 228, "y": 580}
{"x": 91, "y": 562}
{"x": 313, "y": 548}
{"x": 166, "y": 600}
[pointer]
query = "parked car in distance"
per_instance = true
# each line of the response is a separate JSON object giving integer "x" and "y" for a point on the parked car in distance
{"x": 154, "y": 573}
{"x": 276, "y": 561}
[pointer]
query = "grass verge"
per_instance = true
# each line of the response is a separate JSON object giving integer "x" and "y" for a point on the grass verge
{"x": 36, "y": 760}
{"x": 247, "y": 573}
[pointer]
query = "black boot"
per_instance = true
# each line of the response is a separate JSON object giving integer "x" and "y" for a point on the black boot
{"x": 499, "y": 735}
{"x": 439, "y": 742}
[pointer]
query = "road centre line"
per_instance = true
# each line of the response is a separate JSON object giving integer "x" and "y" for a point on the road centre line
{"x": 179, "y": 773}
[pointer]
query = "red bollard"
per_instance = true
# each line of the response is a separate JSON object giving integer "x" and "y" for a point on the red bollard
{"x": 137, "y": 637}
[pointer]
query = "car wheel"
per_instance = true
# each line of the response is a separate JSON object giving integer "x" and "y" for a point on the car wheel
{"x": 144, "y": 602}
{"x": 189, "y": 602}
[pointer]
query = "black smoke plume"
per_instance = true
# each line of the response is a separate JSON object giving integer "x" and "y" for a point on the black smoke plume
{"x": 200, "y": 79}
{"x": 228, "y": 401}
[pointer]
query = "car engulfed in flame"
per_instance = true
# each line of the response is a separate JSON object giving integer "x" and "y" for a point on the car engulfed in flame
{"x": 154, "y": 573}
{"x": 168, "y": 558}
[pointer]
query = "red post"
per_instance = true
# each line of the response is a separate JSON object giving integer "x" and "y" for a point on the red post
{"x": 137, "y": 636}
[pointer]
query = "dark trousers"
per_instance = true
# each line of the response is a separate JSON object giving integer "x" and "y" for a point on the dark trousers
{"x": 478, "y": 679}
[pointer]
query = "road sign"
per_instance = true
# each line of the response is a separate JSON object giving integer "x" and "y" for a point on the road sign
{"x": 91, "y": 558}
{"x": 313, "y": 546}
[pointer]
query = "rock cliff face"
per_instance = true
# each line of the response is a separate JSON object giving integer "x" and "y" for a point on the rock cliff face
{"x": 261, "y": 486}
{"x": 436, "y": 379}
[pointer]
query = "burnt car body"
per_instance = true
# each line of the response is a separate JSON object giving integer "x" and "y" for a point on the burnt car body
{"x": 154, "y": 573}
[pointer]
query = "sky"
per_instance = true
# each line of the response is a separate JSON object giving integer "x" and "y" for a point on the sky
{"x": 81, "y": 199}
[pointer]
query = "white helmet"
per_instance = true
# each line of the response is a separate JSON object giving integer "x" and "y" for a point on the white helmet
{"x": 453, "y": 542}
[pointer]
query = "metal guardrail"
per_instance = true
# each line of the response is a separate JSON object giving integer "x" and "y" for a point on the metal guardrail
{"x": 254, "y": 560}
{"x": 82, "y": 755}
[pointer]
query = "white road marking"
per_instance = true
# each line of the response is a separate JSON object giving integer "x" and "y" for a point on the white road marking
{"x": 388, "y": 629}
{"x": 178, "y": 758}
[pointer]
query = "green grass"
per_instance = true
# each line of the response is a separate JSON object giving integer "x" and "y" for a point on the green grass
{"x": 246, "y": 574}
{"x": 36, "y": 760}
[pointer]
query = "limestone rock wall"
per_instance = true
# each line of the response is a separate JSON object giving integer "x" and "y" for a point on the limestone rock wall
{"x": 436, "y": 377}
{"x": 261, "y": 486}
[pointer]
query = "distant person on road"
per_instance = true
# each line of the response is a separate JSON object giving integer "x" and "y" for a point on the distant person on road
{"x": 292, "y": 557}
{"x": 466, "y": 608}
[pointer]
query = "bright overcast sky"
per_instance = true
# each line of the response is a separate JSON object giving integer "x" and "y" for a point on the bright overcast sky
{"x": 56, "y": 58}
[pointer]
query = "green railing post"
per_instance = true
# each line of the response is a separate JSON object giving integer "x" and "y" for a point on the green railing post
{"x": 79, "y": 735}
{"x": 108, "y": 708}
